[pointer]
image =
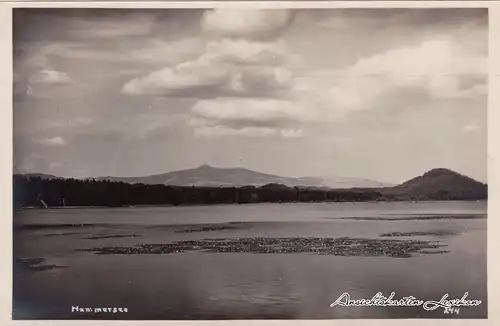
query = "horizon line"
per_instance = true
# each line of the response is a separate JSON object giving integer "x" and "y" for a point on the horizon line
{"x": 244, "y": 168}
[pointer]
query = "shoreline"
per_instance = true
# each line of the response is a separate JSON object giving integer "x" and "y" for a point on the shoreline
{"x": 245, "y": 204}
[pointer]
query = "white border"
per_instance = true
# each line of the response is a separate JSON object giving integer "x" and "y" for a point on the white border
{"x": 493, "y": 151}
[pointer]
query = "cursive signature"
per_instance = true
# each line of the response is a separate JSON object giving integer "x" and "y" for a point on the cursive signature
{"x": 379, "y": 300}
{"x": 444, "y": 303}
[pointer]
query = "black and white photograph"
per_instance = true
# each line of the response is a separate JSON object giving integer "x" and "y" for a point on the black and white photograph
{"x": 246, "y": 163}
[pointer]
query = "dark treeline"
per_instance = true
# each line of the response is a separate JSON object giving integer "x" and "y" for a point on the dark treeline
{"x": 32, "y": 191}
{"x": 71, "y": 192}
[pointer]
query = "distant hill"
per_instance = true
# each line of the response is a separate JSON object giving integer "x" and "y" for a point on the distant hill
{"x": 353, "y": 182}
{"x": 440, "y": 184}
{"x": 208, "y": 176}
{"x": 42, "y": 176}
{"x": 31, "y": 190}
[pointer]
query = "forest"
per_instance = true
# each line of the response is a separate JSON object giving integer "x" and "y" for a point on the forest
{"x": 71, "y": 192}
{"x": 37, "y": 192}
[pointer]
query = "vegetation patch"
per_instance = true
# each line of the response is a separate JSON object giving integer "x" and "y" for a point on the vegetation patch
{"x": 206, "y": 229}
{"x": 111, "y": 236}
{"x": 322, "y": 246}
{"x": 416, "y": 217}
{"x": 34, "y": 265}
{"x": 60, "y": 234}
{"x": 419, "y": 233}
{"x": 35, "y": 227}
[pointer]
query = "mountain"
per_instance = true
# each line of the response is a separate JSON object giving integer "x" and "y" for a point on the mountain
{"x": 440, "y": 184}
{"x": 42, "y": 176}
{"x": 437, "y": 184}
{"x": 353, "y": 182}
{"x": 208, "y": 176}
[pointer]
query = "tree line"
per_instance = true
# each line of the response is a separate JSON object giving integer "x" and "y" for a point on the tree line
{"x": 36, "y": 191}
{"x": 72, "y": 192}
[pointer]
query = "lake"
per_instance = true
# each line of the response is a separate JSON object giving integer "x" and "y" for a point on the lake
{"x": 276, "y": 261}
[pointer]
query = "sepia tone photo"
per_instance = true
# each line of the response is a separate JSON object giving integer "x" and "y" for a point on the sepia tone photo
{"x": 244, "y": 163}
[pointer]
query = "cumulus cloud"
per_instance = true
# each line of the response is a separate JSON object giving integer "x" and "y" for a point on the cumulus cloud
{"x": 247, "y": 78}
{"x": 50, "y": 77}
{"x": 437, "y": 65}
{"x": 247, "y": 117}
{"x": 248, "y": 52}
{"x": 438, "y": 69}
{"x": 256, "y": 110}
{"x": 246, "y": 23}
{"x": 231, "y": 68}
{"x": 184, "y": 80}
{"x": 431, "y": 57}
{"x": 42, "y": 83}
{"x": 245, "y": 66}
{"x": 244, "y": 58}
{"x": 56, "y": 141}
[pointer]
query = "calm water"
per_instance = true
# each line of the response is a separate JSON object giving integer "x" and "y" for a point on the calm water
{"x": 201, "y": 281}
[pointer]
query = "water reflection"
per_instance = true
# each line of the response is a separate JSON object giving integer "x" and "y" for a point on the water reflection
{"x": 251, "y": 283}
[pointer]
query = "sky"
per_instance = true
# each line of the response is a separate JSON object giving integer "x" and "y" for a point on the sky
{"x": 386, "y": 94}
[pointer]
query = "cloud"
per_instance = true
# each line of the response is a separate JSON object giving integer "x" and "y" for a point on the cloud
{"x": 437, "y": 65}
{"x": 55, "y": 165}
{"x": 34, "y": 163}
{"x": 253, "y": 132}
{"x": 438, "y": 56}
{"x": 247, "y": 117}
{"x": 244, "y": 80}
{"x": 147, "y": 125}
{"x": 245, "y": 23}
{"x": 246, "y": 66}
{"x": 148, "y": 52}
{"x": 65, "y": 124}
{"x": 51, "y": 142}
{"x": 240, "y": 80}
{"x": 29, "y": 163}
{"x": 35, "y": 72}
{"x": 249, "y": 52}
{"x": 256, "y": 110}
{"x": 50, "y": 77}
{"x": 44, "y": 82}
{"x": 182, "y": 80}
{"x": 437, "y": 69}
{"x": 414, "y": 19}
{"x": 33, "y": 93}
{"x": 85, "y": 23}
{"x": 227, "y": 68}
{"x": 109, "y": 28}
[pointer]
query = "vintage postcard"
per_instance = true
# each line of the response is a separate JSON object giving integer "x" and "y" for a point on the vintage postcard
{"x": 211, "y": 162}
